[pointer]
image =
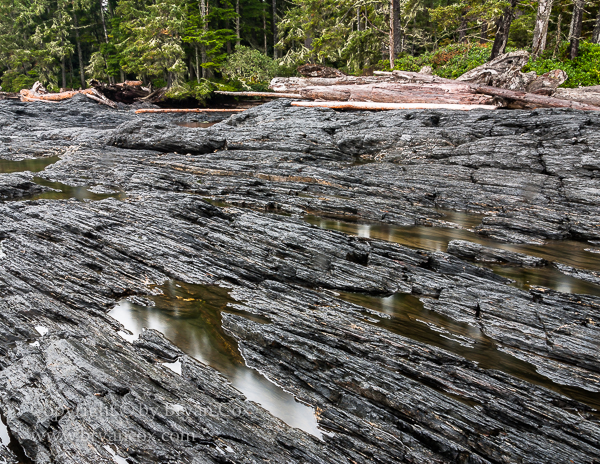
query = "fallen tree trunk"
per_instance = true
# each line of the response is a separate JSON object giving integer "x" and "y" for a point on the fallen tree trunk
{"x": 532, "y": 99}
{"x": 343, "y": 105}
{"x": 259, "y": 94}
{"x": 30, "y": 96}
{"x": 9, "y": 96}
{"x": 295, "y": 84}
{"x": 126, "y": 92}
{"x": 589, "y": 95}
{"x": 444, "y": 93}
{"x": 189, "y": 110}
{"x": 98, "y": 97}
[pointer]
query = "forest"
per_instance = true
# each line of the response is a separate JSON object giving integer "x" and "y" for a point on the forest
{"x": 195, "y": 46}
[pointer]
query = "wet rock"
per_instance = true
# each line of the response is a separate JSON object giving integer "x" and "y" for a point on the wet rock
{"x": 476, "y": 252}
{"x": 583, "y": 274}
{"x": 70, "y": 385}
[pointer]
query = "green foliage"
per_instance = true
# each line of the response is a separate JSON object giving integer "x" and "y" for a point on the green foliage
{"x": 169, "y": 42}
{"x": 343, "y": 33}
{"x": 159, "y": 83}
{"x": 249, "y": 67}
{"x": 449, "y": 62}
{"x": 583, "y": 71}
{"x": 521, "y": 31}
{"x": 13, "y": 81}
{"x": 198, "y": 90}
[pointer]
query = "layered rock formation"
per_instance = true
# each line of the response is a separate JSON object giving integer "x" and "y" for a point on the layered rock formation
{"x": 73, "y": 391}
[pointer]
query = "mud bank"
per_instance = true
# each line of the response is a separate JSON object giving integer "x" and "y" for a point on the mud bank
{"x": 73, "y": 390}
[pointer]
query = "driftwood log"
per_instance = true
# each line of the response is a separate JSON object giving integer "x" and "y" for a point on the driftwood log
{"x": 589, "y": 95}
{"x": 532, "y": 99}
{"x": 499, "y": 82}
{"x": 38, "y": 93}
{"x": 189, "y": 110}
{"x": 388, "y": 92}
{"x": 32, "y": 96}
{"x": 259, "y": 94}
{"x": 295, "y": 84}
{"x": 9, "y": 96}
{"x": 127, "y": 92}
{"x": 344, "y": 105}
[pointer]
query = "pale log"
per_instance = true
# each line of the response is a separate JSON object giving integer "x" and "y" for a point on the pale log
{"x": 344, "y": 105}
{"x": 189, "y": 110}
{"x": 533, "y": 99}
{"x": 259, "y": 94}
{"x": 445, "y": 93}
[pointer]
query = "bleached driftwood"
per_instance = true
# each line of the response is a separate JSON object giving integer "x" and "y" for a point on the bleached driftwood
{"x": 189, "y": 110}
{"x": 344, "y": 105}
{"x": 259, "y": 94}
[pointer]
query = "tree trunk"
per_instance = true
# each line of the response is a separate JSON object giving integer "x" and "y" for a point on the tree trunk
{"x": 503, "y": 30}
{"x": 576, "y": 25}
{"x": 484, "y": 33}
{"x": 394, "y": 30}
{"x": 79, "y": 53}
{"x": 64, "y": 73}
{"x": 203, "y": 15}
{"x": 558, "y": 34}
{"x": 237, "y": 21}
{"x": 265, "y": 30}
{"x": 275, "y": 35}
{"x": 103, "y": 21}
{"x": 462, "y": 30}
{"x": 198, "y": 75}
{"x": 596, "y": 34}
{"x": 540, "y": 32}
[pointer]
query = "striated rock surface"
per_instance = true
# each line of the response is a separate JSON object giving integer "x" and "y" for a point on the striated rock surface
{"x": 487, "y": 373}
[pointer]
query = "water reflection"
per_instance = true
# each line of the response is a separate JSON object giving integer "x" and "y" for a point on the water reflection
{"x": 66, "y": 192}
{"x": 196, "y": 124}
{"x": 32, "y": 165}
{"x": 437, "y": 238}
{"x": 190, "y": 316}
{"x": 410, "y": 319}
{"x": 545, "y": 277}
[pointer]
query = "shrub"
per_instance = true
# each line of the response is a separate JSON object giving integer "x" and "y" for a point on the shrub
{"x": 13, "y": 81}
{"x": 450, "y": 61}
{"x": 582, "y": 71}
{"x": 249, "y": 67}
{"x": 198, "y": 90}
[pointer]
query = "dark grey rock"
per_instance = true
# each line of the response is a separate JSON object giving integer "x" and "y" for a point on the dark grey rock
{"x": 417, "y": 396}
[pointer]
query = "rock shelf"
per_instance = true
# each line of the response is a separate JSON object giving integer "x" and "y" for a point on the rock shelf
{"x": 80, "y": 393}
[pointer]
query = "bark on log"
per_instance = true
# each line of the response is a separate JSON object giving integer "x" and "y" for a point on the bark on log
{"x": 28, "y": 95}
{"x": 317, "y": 70}
{"x": 444, "y": 93}
{"x": 189, "y": 110}
{"x": 548, "y": 83}
{"x": 342, "y": 105}
{"x": 126, "y": 92}
{"x": 588, "y": 95}
{"x": 98, "y": 97}
{"x": 504, "y": 72}
{"x": 9, "y": 96}
{"x": 534, "y": 100}
{"x": 259, "y": 94}
{"x": 294, "y": 84}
